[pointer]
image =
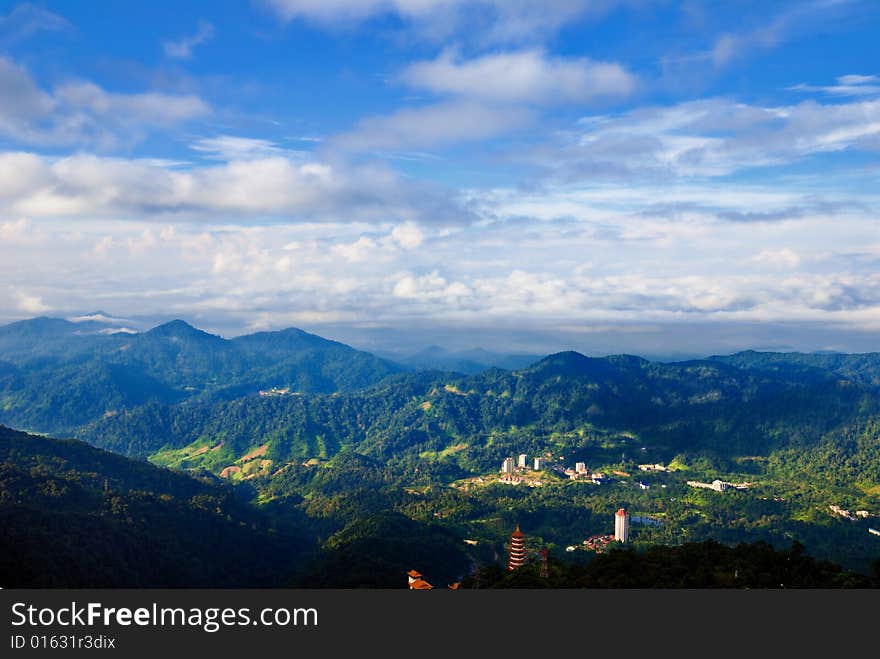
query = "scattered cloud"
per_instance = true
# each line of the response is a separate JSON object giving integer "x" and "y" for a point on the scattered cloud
{"x": 848, "y": 85}
{"x": 82, "y": 113}
{"x": 781, "y": 258}
{"x": 27, "y": 19}
{"x": 433, "y": 125}
{"x": 788, "y": 23}
{"x": 230, "y": 147}
{"x": 32, "y": 304}
{"x": 529, "y": 76}
{"x": 493, "y": 21}
{"x": 708, "y": 138}
{"x": 183, "y": 48}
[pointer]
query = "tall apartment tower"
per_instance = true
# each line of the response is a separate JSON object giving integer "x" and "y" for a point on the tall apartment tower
{"x": 517, "y": 557}
{"x": 523, "y": 461}
{"x": 507, "y": 466}
{"x": 621, "y": 525}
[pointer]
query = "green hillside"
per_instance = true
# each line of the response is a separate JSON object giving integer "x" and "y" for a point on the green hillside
{"x": 74, "y": 516}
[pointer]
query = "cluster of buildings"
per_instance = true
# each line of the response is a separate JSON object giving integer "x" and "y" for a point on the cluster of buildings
{"x": 581, "y": 472}
{"x": 599, "y": 543}
{"x": 719, "y": 485}
{"x": 859, "y": 514}
{"x": 275, "y": 391}
{"x": 596, "y": 543}
{"x": 521, "y": 463}
{"x": 514, "y": 471}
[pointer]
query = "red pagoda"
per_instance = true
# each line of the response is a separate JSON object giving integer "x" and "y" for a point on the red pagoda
{"x": 517, "y": 556}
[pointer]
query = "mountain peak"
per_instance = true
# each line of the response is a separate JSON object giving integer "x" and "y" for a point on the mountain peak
{"x": 39, "y": 325}
{"x": 179, "y": 329}
{"x": 574, "y": 363}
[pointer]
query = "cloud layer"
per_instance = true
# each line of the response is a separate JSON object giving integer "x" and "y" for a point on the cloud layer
{"x": 264, "y": 188}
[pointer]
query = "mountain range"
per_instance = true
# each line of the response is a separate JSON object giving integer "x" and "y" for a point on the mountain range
{"x": 57, "y": 375}
{"x": 337, "y": 449}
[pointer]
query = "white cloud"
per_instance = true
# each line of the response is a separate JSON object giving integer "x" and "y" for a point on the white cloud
{"x": 27, "y": 19}
{"x": 848, "y": 85}
{"x": 408, "y": 236}
{"x": 494, "y": 21}
{"x": 524, "y": 76}
{"x": 781, "y": 258}
{"x": 485, "y": 98}
{"x": 16, "y": 231}
{"x": 32, "y": 304}
{"x": 231, "y": 147}
{"x": 429, "y": 287}
{"x": 432, "y": 126}
{"x": 363, "y": 249}
{"x": 149, "y": 108}
{"x": 269, "y": 187}
{"x": 857, "y": 79}
{"x": 76, "y": 113}
{"x": 183, "y": 48}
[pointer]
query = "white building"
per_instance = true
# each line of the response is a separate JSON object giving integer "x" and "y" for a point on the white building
{"x": 539, "y": 463}
{"x": 507, "y": 466}
{"x": 580, "y": 467}
{"x": 621, "y": 525}
{"x": 523, "y": 461}
{"x": 719, "y": 485}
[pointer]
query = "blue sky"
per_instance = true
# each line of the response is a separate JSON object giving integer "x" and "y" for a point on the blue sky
{"x": 661, "y": 176}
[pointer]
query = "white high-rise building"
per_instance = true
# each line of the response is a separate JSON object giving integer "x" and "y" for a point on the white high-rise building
{"x": 507, "y": 466}
{"x": 539, "y": 463}
{"x": 580, "y": 467}
{"x": 621, "y": 525}
{"x": 523, "y": 461}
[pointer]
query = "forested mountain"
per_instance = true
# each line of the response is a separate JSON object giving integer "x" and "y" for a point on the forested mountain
{"x": 27, "y": 340}
{"x": 75, "y": 516}
{"x": 56, "y": 376}
{"x": 861, "y": 369}
{"x": 706, "y": 406}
